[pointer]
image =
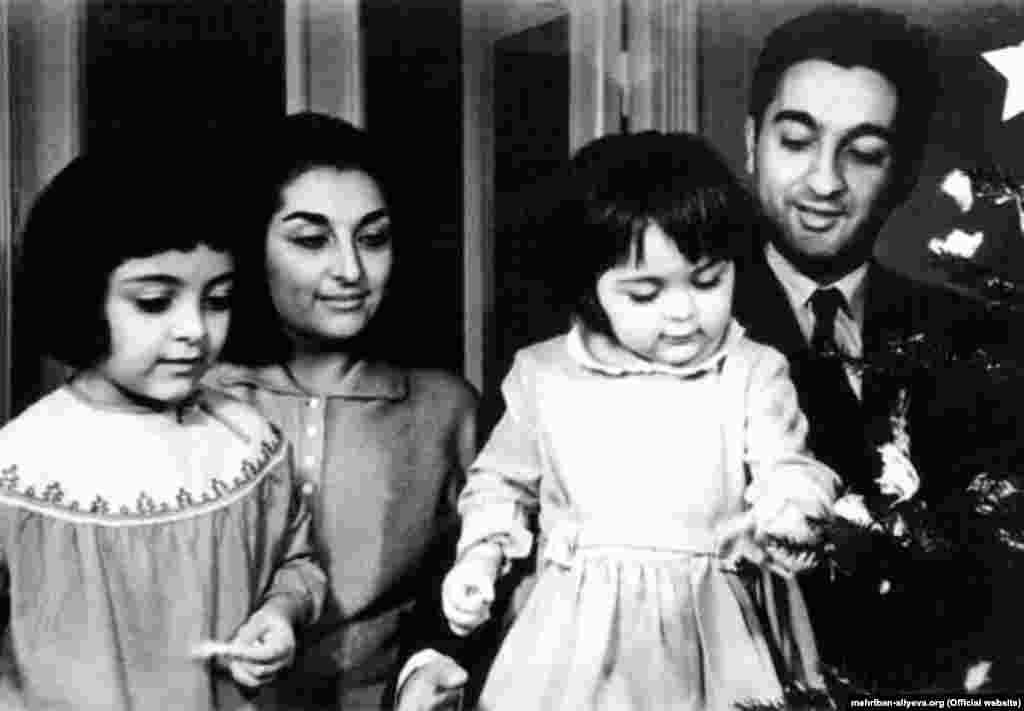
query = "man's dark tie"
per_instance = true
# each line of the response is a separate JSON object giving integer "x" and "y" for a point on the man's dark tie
{"x": 833, "y": 411}
{"x": 836, "y": 436}
{"x": 825, "y": 303}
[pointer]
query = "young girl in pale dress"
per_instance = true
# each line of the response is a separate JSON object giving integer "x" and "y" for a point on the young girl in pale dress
{"x": 659, "y": 448}
{"x": 154, "y": 549}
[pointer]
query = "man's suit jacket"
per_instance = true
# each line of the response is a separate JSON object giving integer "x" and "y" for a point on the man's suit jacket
{"x": 890, "y": 641}
{"x": 896, "y": 308}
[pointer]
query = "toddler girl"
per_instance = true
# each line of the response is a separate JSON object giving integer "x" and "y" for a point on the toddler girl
{"x": 660, "y": 448}
{"x": 153, "y": 549}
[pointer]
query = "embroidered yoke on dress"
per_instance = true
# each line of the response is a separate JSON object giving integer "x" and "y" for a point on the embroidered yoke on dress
{"x": 128, "y": 538}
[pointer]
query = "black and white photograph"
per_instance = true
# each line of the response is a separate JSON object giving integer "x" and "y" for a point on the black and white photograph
{"x": 511, "y": 355}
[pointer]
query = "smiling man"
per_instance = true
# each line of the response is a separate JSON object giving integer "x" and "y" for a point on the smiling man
{"x": 839, "y": 110}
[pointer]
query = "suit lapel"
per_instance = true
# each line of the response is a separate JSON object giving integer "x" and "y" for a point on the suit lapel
{"x": 761, "y": 305}
{"x": 888, "y": 316}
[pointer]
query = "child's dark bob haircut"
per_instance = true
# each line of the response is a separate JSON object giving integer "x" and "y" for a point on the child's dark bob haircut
{"x": 295, "y": 145}
{"x": 620, "y": 184}
{"x": 103, "y": 209}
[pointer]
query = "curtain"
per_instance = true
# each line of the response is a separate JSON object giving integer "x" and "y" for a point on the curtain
{"x": 595, "y": 47}
{"x": 662, "y": 79}
{"x": 323, "y": 58}
{"x": 41, "y": 67}
{"x": 634, "y": 67}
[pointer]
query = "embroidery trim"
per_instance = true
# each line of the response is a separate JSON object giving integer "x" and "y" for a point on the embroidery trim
{"x": 52, "y": 498}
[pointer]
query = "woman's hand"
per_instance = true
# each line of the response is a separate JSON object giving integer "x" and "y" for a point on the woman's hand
{"x": 262, "y": 647}
{"x": 468, "y": 590}
{"x": 435, "y": 686}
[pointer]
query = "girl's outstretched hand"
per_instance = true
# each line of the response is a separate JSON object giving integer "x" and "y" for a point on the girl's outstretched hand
{"x": 263, "y": 646}
{"x": 468, "y": 590}
{"x": 749, "y": 537}
{"x": 788, "y": 522}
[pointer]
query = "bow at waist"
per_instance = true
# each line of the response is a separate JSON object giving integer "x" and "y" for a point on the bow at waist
{"x": 562, "y": 541}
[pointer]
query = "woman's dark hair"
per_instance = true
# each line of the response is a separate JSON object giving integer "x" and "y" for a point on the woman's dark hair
{"x": 619, "y": 185}
{"x": 292, "y": 146}
{"x": 103, "y": 209}
{"x": 851, "y": 36}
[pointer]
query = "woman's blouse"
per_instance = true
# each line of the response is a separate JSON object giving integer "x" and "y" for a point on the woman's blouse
{"x": 126, "y": 539}
{"x": 384, "y": 452}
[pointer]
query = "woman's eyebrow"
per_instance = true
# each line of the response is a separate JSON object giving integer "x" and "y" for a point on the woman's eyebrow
{"x": 312, "y": 217}
{"x": 158, "y": 278}
{"x": 223, "y": 278}
{"x": 373, "y": 216}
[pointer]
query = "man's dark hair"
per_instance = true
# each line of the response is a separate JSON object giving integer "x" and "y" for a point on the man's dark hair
{"x": 851, "y": 36}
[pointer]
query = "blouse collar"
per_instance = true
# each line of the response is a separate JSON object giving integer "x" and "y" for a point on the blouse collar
{"x": 366, "y": 380}
{"x": 583, "y": 355}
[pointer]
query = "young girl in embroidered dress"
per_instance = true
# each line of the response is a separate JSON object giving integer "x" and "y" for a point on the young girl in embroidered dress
{"x": 153, "y": 549}
{"x": 662, "y": 449}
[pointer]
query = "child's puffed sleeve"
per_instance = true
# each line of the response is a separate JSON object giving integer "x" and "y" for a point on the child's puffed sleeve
{"x": 298, "y": 584}
{"x": 501, "y": 491}
{"x": 782, "y": 469}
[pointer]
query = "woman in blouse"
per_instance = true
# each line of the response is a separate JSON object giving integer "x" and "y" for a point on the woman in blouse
{"x": 381, "y": 448}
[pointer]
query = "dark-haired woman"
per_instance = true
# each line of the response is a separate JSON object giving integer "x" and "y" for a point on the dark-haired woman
{"x": 382, "y": 448}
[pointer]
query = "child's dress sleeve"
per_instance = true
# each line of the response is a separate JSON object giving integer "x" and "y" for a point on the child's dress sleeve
{"x": 298, "y": 581}
{"x": 782, "y": 469}
{"x": 501, "y": 492}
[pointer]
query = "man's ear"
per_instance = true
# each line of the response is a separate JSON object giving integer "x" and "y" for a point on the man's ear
{"x": 751, "y": 135}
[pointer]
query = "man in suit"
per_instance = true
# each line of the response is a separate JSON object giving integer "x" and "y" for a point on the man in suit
{"x": 839, "y": 108}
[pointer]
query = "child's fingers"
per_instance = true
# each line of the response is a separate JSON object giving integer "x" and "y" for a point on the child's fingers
{"x": 781, "y": 560}
{"x": 211, "y": 648}
{"x": 262, "y": 653}
{"x": 260, "y": 673}
{"x": 464, "y": 621}
{"x": 243, "y": 674}
{"x": 730, "y": 534}
{"x": 466, "y": 601}
{"x": 469, "y": 586}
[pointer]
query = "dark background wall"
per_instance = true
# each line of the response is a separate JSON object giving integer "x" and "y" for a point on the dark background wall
{"x": 413, "y": 54}
{"x": 531, "y": 140}
{"x": 161, "y": 65}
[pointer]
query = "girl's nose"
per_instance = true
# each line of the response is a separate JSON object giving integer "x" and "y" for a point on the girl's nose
{"x": 825, "y": 176}
{"x": 346, "y": 262}
{"x": 679, "y": 305}
{"x": 189, "y": 324}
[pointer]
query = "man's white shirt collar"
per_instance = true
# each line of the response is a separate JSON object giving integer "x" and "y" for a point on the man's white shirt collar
{"x": 799, "y": 288}
{"x": 849, "y": 324}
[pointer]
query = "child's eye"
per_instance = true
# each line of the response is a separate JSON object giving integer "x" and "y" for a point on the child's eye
{"x": 706, "y": 280}
{"x": 218, "y": 302}
{"x": 311, "y": 242}
{"x": 376, "y": 239}
{"x": 869, "y": 158}
{"x": 642, "y": 297}
{"x": 795, "y": 144}
{"x": 153, "y": 305}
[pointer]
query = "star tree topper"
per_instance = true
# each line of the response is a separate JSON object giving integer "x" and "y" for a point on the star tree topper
{"x": 1009, "y": 61}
